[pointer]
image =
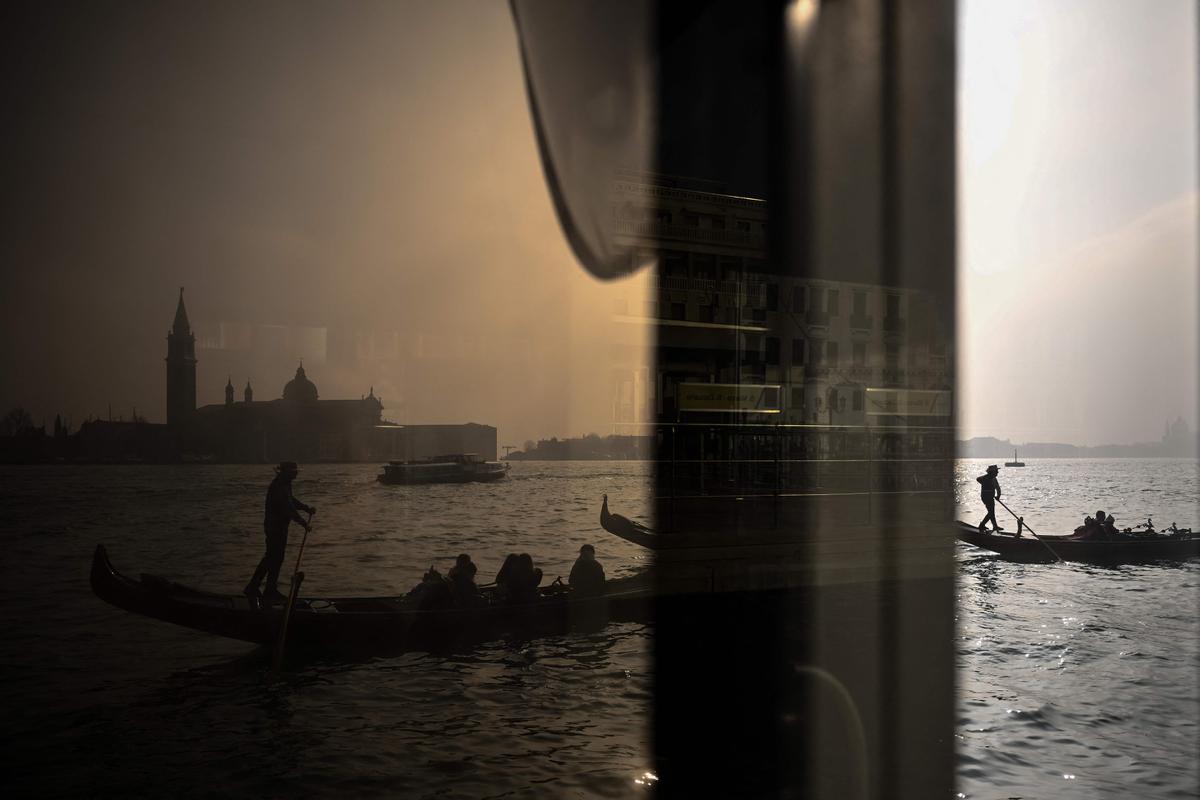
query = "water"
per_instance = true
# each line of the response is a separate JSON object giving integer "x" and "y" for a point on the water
{"x": 1074, "y": 681}
{"x": 103, "y": 702}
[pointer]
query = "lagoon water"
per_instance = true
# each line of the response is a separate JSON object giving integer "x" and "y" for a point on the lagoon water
{"x": 1074, "y": 681}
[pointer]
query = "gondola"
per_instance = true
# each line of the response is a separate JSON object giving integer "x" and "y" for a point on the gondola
{"x": 365, "y": 623}
{"x": 627, "y": 529}
{"x": 1124, "y": 550}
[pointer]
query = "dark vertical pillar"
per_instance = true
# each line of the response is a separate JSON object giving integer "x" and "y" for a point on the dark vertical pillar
{"x": 824, "y": 669}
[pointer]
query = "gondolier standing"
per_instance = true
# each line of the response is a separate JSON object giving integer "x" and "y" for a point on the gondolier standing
{"x": 989, "y": 492}
{"x": 281, "y": 509}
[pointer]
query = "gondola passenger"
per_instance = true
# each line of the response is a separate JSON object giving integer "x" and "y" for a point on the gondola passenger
{"x": 587, "y": 574}
{"x": 462, "y": 581}
{"x": 529, "y": 578}
{"x": 1092, "y": 528}
{"x": 506, "y": 577}
{"x": 518, "y": 579}
{"x": 433, "y": 593}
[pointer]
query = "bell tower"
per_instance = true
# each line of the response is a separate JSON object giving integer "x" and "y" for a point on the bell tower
{"x": 181, "y": 368}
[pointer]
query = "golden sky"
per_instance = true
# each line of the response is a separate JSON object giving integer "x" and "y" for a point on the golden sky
{"x": 361, "y": 176}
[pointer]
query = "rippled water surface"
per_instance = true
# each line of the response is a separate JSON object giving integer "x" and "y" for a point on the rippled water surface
{"x": 1074, "y": 681}
{"x": 104, "y": 702}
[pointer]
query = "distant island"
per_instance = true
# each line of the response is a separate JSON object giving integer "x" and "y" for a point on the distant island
{"x": 21, "y": 442}
{"x": 592, "y": 447}
{"x": 1178, "y": 441}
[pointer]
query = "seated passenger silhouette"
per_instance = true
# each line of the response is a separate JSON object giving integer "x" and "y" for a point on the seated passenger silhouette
{"x": 528, "y": 579}
{"x": 433, "y": 593}
{"x": 1092, "y": 528}
{"x": 587, "y": 574}
{"x": 462, "y": 581}
{"x": 506, "y": 577}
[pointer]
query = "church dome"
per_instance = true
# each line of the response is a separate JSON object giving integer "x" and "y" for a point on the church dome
{"x": 300, "y": 388}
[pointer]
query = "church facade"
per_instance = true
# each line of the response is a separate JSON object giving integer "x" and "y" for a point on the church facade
{"x": 298, "y": 425}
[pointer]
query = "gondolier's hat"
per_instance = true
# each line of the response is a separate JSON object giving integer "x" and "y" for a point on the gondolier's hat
{"x": 993, "y": 468}
{"x": 288, "y": 466}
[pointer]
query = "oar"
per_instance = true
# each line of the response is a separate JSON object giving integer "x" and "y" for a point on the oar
{"x": 1021, "y": 524}
{"x": 297, "y": 579}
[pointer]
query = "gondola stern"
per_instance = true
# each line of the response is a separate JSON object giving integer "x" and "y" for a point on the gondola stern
{"x": 103, "y": 572}
{"x": 109, "y": 585}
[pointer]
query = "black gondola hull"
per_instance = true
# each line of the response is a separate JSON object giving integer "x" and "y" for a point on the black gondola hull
{"x": 1053, "y": 548}
{"x": 376, "y": 624}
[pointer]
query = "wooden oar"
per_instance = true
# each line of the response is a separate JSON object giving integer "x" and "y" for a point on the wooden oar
{"x": 1021, "y": 524}
{"x": 297, "y": 579}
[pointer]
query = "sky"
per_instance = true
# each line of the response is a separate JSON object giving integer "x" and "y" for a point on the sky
{"x": 1077, "y": 219}
{"x": 359, "y": 187}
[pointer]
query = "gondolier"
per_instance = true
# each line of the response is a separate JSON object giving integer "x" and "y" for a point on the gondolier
{"x": 989, "y": 492}
{"x": 281, "y": 509}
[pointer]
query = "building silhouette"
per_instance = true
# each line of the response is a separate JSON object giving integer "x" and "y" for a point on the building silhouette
{"x": 181, "y": 369}
{"x": 298, "y": 425}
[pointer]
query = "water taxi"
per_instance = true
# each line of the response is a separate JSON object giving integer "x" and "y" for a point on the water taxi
{"x": 456, "y": 468}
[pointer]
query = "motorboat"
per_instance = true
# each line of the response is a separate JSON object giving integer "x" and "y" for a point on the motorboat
{"x": 455, "y": 468}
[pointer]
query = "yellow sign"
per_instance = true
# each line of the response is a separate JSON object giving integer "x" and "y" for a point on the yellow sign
{"x": 735, "y": 397}
{"x": 908, "y": 402}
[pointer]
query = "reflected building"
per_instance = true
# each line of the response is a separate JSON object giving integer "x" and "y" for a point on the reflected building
{"x": 791, "y": 392}
{"x": 824, "y": 351}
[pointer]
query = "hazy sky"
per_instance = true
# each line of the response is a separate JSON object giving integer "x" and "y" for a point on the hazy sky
{"x": 366, "y": 169}
{"x": 1078, "y": 214}
{"x": 363, "y": 181}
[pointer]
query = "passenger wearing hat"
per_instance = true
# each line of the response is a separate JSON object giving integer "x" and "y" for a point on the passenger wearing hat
{"x": 989, "y": 492}
{"x": 587, "y": 575}
{"x": 282, "y": 509}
